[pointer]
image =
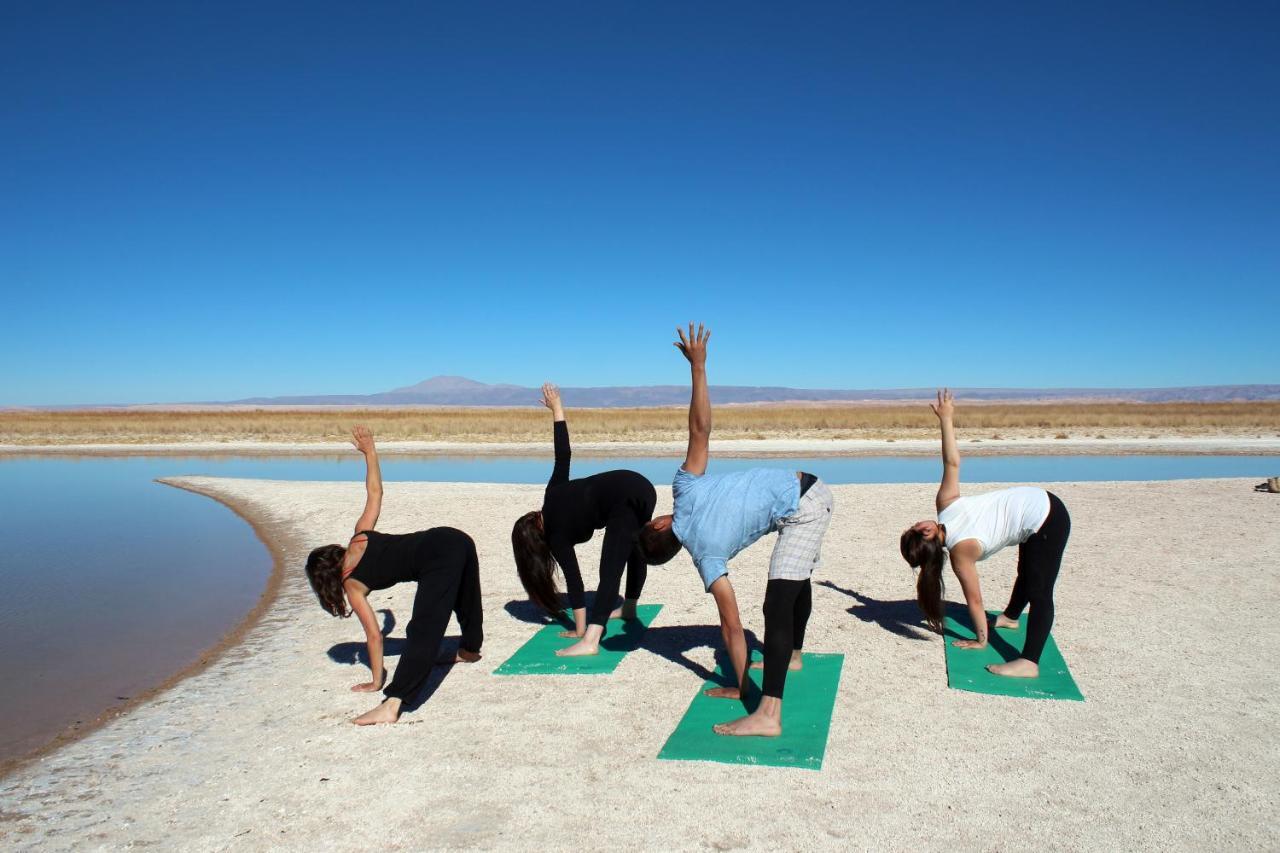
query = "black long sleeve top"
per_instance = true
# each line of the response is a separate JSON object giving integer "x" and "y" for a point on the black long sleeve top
{"x": 619, "y": 502}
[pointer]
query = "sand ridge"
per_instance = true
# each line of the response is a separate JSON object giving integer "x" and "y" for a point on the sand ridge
{"x": 1175, "y": 745}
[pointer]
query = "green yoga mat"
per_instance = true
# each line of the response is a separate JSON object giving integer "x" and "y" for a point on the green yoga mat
{"x": 806, "y": 718}
{"x": 538, "y": 656}
{"x": 967, "y": 668}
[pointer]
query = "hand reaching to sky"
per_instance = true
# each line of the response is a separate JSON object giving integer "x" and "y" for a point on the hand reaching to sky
{"x": 551, "y": 399}
{"x": 694, "y": 346}
{"x": 362, "y": 438}
{"x": 946, "y": 405}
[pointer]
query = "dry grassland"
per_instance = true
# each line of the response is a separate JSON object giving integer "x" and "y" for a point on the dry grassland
{"x": 156, "y": 426}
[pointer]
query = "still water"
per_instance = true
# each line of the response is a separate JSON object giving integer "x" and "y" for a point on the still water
{"x": 114, "y": 582}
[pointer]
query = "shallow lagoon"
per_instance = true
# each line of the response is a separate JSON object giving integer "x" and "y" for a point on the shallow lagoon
{"x": 114, "y": 582}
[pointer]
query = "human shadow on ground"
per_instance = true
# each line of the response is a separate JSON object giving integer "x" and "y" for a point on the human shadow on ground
{"x": 527, "y": 611}
{"x": 673, "y": 641}
{"x": 897, "y": 617}
{"x": 626, "y": 640}
{"x": 997, "y": 640}
{"x": 353, "y": 654}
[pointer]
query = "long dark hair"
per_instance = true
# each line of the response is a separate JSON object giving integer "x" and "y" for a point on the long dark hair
{"x": 324, "y": 570}
{"x": 534, "y": 563}
{"x": 929, "y": 557}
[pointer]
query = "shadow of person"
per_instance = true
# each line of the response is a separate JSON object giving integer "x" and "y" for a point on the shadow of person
{"x": 357, "y": 653}
{"x": 897, "y": 617}
{"x": 997, "y": 640}
{"x": 527, "y": 611}
{"x": 672, "y": 641}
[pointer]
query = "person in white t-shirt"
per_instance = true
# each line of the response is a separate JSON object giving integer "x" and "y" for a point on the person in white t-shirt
{"x": 973, "y": 528}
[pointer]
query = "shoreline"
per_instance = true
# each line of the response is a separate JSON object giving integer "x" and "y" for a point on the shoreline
{"x": 731, "y": 448}
{"x": 271, "y": 540}
{"x": 214, "y": 763}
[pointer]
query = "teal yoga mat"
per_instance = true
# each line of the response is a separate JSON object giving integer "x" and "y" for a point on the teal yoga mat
{"x": 807, "y": 703}
{"x": 538, "y": 656}
{"x": 967, "y": 668}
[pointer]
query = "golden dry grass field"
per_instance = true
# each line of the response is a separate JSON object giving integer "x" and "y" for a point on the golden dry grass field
{"x": 897, "y": 421}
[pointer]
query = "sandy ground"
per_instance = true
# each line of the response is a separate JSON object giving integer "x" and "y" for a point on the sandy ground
{"x": 1175, "y": 746}
{"x": 1203, "y": 444}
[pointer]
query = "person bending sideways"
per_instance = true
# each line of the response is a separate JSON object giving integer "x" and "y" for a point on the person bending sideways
{"x": 718, "y": 515}
{"x": 441, "y": 561}
{"x": 619, "y": 502}
{"x": 973, "y": 528}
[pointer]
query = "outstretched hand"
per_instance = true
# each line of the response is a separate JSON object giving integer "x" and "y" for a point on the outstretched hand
{"x": 694, "y": 346}
{"x": 362, "y": 438}
{"x": 551, "y": 398}
{"x": 946, "y": 405}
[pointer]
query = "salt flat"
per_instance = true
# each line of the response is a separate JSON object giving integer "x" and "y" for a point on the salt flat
{"x": 1166, "y": 608}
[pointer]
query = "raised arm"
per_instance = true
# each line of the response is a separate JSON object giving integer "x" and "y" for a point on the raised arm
{"x": 362, "y": 438}
{"x": 560, "y": 431}
{"x": 949, "y": 490}
{"x": 694, "y": 348}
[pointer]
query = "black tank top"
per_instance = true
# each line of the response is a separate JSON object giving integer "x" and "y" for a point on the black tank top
{"x": 392, "y": 558}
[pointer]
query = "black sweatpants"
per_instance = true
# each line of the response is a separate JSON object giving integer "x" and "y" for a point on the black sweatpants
{"x": 1039, "y": 559}
{"x": 617, "y": 553}
{"x": 449, "y": 583}
{"x": 787, "y": 605}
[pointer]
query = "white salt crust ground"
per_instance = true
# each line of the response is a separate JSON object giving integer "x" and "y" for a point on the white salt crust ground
{"x": 1166, "y": 614}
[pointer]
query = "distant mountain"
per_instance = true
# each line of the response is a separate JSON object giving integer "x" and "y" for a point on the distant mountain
{"x": 460, "y": 391}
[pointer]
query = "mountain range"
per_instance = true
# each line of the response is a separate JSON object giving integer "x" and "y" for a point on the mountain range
{"x": 460, "y": 391}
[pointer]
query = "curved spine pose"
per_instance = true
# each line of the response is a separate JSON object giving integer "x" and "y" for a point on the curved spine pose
{"x": 442, "y": 561}
{"x": 718, "y": 515}
{"x": 970, "y": 529}
{"x": 619, "y": 502}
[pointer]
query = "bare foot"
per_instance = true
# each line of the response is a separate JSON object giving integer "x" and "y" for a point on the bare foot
{"x": 1020, "y": 668}
{"x": 570, "y": 634}
{"x": 463, "y": 656}
{"x": 580, "y": 649}
{"x": 387, "y": 712}
{"x": 1004, "y": 622}
{"x": 752, "y": 725}
{"x": 626, "y": 611}
{"x": 796, "y": 663}
{"x": 724, "y": 693}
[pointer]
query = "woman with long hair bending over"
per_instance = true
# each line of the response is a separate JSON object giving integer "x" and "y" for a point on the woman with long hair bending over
{"x": 619, "y": 502}
{"x": 973, "y": 528}
{"x": 441, "y": 561}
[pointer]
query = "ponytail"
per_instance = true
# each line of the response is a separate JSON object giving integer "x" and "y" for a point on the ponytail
{"x": 534, "y": 563}
{"x": 929, "y": 556}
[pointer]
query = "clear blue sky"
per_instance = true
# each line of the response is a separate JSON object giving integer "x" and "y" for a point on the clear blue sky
{"x": 210, "y": 201}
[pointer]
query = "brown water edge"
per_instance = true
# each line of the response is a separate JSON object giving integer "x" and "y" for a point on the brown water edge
{"x": 270, "y": 534}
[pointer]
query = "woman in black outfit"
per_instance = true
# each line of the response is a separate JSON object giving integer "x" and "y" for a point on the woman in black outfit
{"x": 441, "y": 561}
{"x": 620, "y": 502}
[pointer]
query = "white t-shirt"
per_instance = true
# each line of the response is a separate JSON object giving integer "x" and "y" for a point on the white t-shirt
{"x": 996, "y": 519}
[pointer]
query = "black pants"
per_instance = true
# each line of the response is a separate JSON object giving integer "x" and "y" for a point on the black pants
{"x": 1039, "y": 559}
{"x": 612, "y": 561}
{"x": 787, "y": 605}
{"x": 450, "y": 583}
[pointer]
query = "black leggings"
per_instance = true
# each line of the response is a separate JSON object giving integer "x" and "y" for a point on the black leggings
{"x": 787, "y": 605}
{"x": 612, "y": 561}
{"x": 450, "y": 584}
{"x": 1039, "y": 559}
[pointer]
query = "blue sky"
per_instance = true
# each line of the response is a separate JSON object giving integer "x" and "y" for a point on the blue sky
{"x": 211, "y": 201}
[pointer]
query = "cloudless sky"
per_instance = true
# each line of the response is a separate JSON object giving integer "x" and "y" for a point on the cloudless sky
{"x": 219, "y": 200}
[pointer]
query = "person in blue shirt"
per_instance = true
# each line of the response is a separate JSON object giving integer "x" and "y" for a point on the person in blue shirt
{"x": 718, "y": 515}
